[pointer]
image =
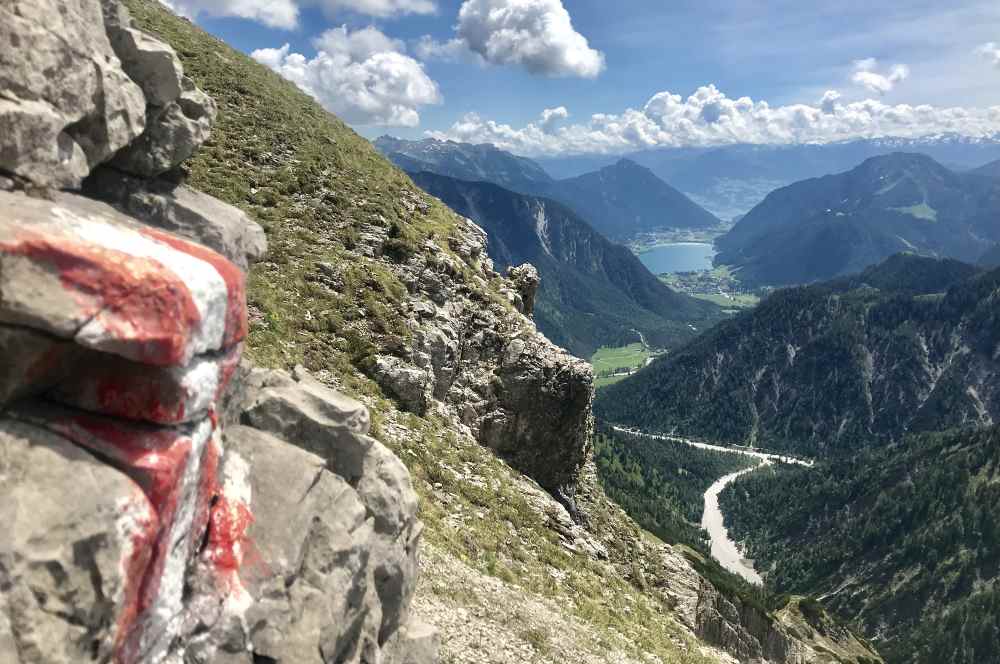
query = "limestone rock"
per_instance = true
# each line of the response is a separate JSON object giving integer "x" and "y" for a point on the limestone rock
{"x": 80, "y": 270}
{"x": 133, "y": 391}
{"x": 172, "y": 135}
{"x": 313, "y": 595}
{"x": 313, "y": 417}
{"x": 526, "y": 280}
{"x": 541, "y": 421}
{"x": 179, "y": 116}
{"x": 407, "y": 383}
{"x": 68, "y": 105}
{"x": 70, "y": 526}
{"x": 184, "y": 211}
{"x": 416, "y": 643}
{"x": 32, "y": 362}
{"x": 303, "y": 412}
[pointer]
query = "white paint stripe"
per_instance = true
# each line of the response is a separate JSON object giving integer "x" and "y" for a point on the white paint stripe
{"x": 200, "y": 381}
{"x": 203, "y": 281}
{"x": 167, "y": 608}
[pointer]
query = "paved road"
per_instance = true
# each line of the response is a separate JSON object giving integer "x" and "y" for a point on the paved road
{"x": 724, "y": 549}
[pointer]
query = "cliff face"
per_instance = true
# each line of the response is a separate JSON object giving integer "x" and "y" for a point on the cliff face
{"x": 145, "y": 523}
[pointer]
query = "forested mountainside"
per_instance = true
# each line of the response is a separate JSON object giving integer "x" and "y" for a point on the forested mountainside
{"x": 902, "y": 540}
{"x": 825, "y": 369}
{"x": 839, "y": 224}
{"x": 990, "y": 170}
{"x": 620, "y": 201}
{"x": 625, "y": 200}
{"x": 593, "y": 293}
{"x": 661, "y": 485}
{"x": 465, "y": 161}
{"x": 382, "y": 292}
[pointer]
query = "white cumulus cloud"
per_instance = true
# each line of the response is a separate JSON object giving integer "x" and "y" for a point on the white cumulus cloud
{"x": 363, "y": 76}
{"x": 454, "y": 50}
{"x": 535, "y": 34}
{"x": 552, "y": 117}
{"x": 380, "y": 8}
{"x": 865, "y": 74}
{"x": 273, "y": 13}
{"x": 285, "y": 13}
{"x": 708, "y": 117}
{"x": 990, "y": 51}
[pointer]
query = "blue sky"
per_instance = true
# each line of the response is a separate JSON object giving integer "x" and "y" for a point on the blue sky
{"x": 653, "y": 72}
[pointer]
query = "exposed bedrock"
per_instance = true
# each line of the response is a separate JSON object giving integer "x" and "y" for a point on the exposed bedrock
{"x": 145, "y": 523}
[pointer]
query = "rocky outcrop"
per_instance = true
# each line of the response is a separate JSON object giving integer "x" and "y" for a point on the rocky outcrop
{"x": 68, "y": 105}
{"x": 526, "y": 280}
{"x": 158, "y": 509}
{"x": 484, "y": 366}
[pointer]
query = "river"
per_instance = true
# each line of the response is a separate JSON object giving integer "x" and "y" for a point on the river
{"x": 724, "y": 549}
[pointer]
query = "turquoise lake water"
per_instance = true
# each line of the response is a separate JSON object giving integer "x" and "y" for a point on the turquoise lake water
{"x": 679, "y": 257}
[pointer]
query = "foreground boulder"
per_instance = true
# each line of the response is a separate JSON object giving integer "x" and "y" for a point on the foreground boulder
{"x": 145, "y": 524}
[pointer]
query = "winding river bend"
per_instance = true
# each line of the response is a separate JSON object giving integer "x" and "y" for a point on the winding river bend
{"x": 724, "y": 549}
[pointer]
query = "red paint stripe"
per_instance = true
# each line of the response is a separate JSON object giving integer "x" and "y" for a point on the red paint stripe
{"x": 235, "y": 280}
{"x": 141, "y": 303}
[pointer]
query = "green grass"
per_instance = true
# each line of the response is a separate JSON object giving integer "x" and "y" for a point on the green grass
{"x": 608, "y": 362}
{"x": 921, "y": 211}
{"x": 609, "y": 359}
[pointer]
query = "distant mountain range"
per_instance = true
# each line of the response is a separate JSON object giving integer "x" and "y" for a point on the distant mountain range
{"x": 621, "y": 200}
{"x": 728, "y": 181}
{"x": 839, "y": 224}
{"x": 593, "y": 292}
{"x": 465, "y": 161}
{"x": 909, "y": 345}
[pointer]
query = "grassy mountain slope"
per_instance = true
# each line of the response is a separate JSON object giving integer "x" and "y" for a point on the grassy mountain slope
{"x": 500, "y": 578}
{"x": 827, "y": 368}
{"x": 901, "y": 540}
{"x": 593, "y": 293}
{"x": 838, "y": 224}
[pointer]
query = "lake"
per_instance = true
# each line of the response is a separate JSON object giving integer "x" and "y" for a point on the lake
{"x": 678, "y": 257}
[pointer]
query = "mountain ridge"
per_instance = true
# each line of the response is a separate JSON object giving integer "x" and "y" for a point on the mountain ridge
{"x": 825, "y": 227}
{"x": 621, "y": 200}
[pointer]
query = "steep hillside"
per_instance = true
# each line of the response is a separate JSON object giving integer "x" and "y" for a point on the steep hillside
{"x": 828, "y": 368}
{"x": 902, "y": 541}
{"x": 839, "y": 224}
{"x": 593, "y": 293}
{"x": 380, "y": 290}
{"x": 626, "y": 199}
{"x": 465, "y": 161}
